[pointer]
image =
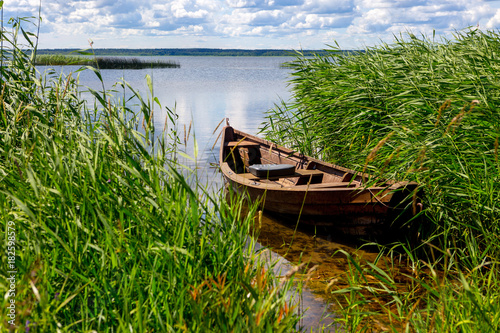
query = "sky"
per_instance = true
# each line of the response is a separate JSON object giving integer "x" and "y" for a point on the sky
{"x": 247, "y": 24}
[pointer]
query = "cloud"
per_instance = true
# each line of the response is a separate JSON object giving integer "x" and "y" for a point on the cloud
{"x": 494, "y": 22}
{"x": 380, "y": 16}
{"x": 328, "y": 6}
{"x": 374, "y": 20}
{"x": 308, "y": 22}
{"x": 244, "y": 17}
{"x": 241, "y": 3}
{"x": 316, "y": 21}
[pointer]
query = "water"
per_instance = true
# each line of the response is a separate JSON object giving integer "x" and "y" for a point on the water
{"x": 204, "y": 91}
{"x": 208, "y": 89}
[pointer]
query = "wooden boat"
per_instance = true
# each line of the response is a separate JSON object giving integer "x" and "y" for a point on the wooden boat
{"x": 315, "y": 191}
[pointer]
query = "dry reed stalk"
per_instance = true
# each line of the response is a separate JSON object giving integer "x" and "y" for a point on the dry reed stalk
{"x": 290, "y": 273}
{"x": 185, "y": 136}
{"x": 189, "y": 128}
{"x": 374, "y": 151}
{"x": 66, "y": 85}
{"x": 220, "y": 133}
{"x": 389, "y": 159}
{"x": 443, "y": 107}
{"x": 260, "y": 219}
{"x": 151, "y": 116}
{"x": 420, "y": 159}
{"x": 458, "y": 118}
{"x": 166, "y": 124}
{"x": 217, "y": 127}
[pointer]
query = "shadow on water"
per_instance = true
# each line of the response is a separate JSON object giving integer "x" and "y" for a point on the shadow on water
{"x": 289, "y": 246}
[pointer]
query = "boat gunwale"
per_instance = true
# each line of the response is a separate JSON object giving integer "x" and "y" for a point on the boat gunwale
{"x": 242, "y": 136}
{"x": 290, "y": 152}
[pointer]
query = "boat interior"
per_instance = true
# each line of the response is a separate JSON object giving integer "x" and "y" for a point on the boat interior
{"x": 240, "y": 153}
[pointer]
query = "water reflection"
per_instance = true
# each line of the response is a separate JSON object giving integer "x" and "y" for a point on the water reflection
{"x": 318, "y": 315}
{"x": 320, "y": 246}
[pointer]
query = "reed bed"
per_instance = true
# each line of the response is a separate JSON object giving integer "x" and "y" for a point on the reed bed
{"x": 102, "y": 62}
{"x": 108, "y": 235}
{"x": 425, "y": 110}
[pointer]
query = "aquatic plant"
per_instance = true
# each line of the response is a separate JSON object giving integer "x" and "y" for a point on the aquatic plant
{"x": 439, "y": 104}
{"x": 103, "y": 62}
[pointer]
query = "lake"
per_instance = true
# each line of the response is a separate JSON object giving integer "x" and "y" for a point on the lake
{"x": 204, "y": 91}
{"x": 208, "y": 89}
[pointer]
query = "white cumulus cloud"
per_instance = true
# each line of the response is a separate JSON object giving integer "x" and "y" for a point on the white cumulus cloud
{"x": 244, "y": 23}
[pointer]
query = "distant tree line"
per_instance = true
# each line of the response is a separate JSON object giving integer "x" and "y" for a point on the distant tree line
{"x": 187, "y": 52}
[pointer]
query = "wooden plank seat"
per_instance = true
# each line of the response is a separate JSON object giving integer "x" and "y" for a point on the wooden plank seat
{"x": 242, "y": 144}
{"x": 327, "y": 185}
{"x": 309, "y": 176}
{"x": 304, "y": 172}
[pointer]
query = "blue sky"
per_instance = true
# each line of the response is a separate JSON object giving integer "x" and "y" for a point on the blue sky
{"x": 251, "y": 24}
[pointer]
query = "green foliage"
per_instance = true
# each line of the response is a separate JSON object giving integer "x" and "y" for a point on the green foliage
{"x": 109, "y": 236}
{"x": 102, "y": 62}
{"x": 438, "y": 297}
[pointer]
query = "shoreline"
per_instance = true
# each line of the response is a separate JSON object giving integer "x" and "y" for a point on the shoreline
{"x": 188, "y": 52}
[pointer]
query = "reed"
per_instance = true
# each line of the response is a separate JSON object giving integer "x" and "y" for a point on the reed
{"x": 109, "y": 236}
{"x": 102, "y": 62}
{"x": 425, "y": 110}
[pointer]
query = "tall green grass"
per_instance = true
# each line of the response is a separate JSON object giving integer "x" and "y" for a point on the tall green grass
{"x": 425, "y": 110}
{"x": 109, "y": 236}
